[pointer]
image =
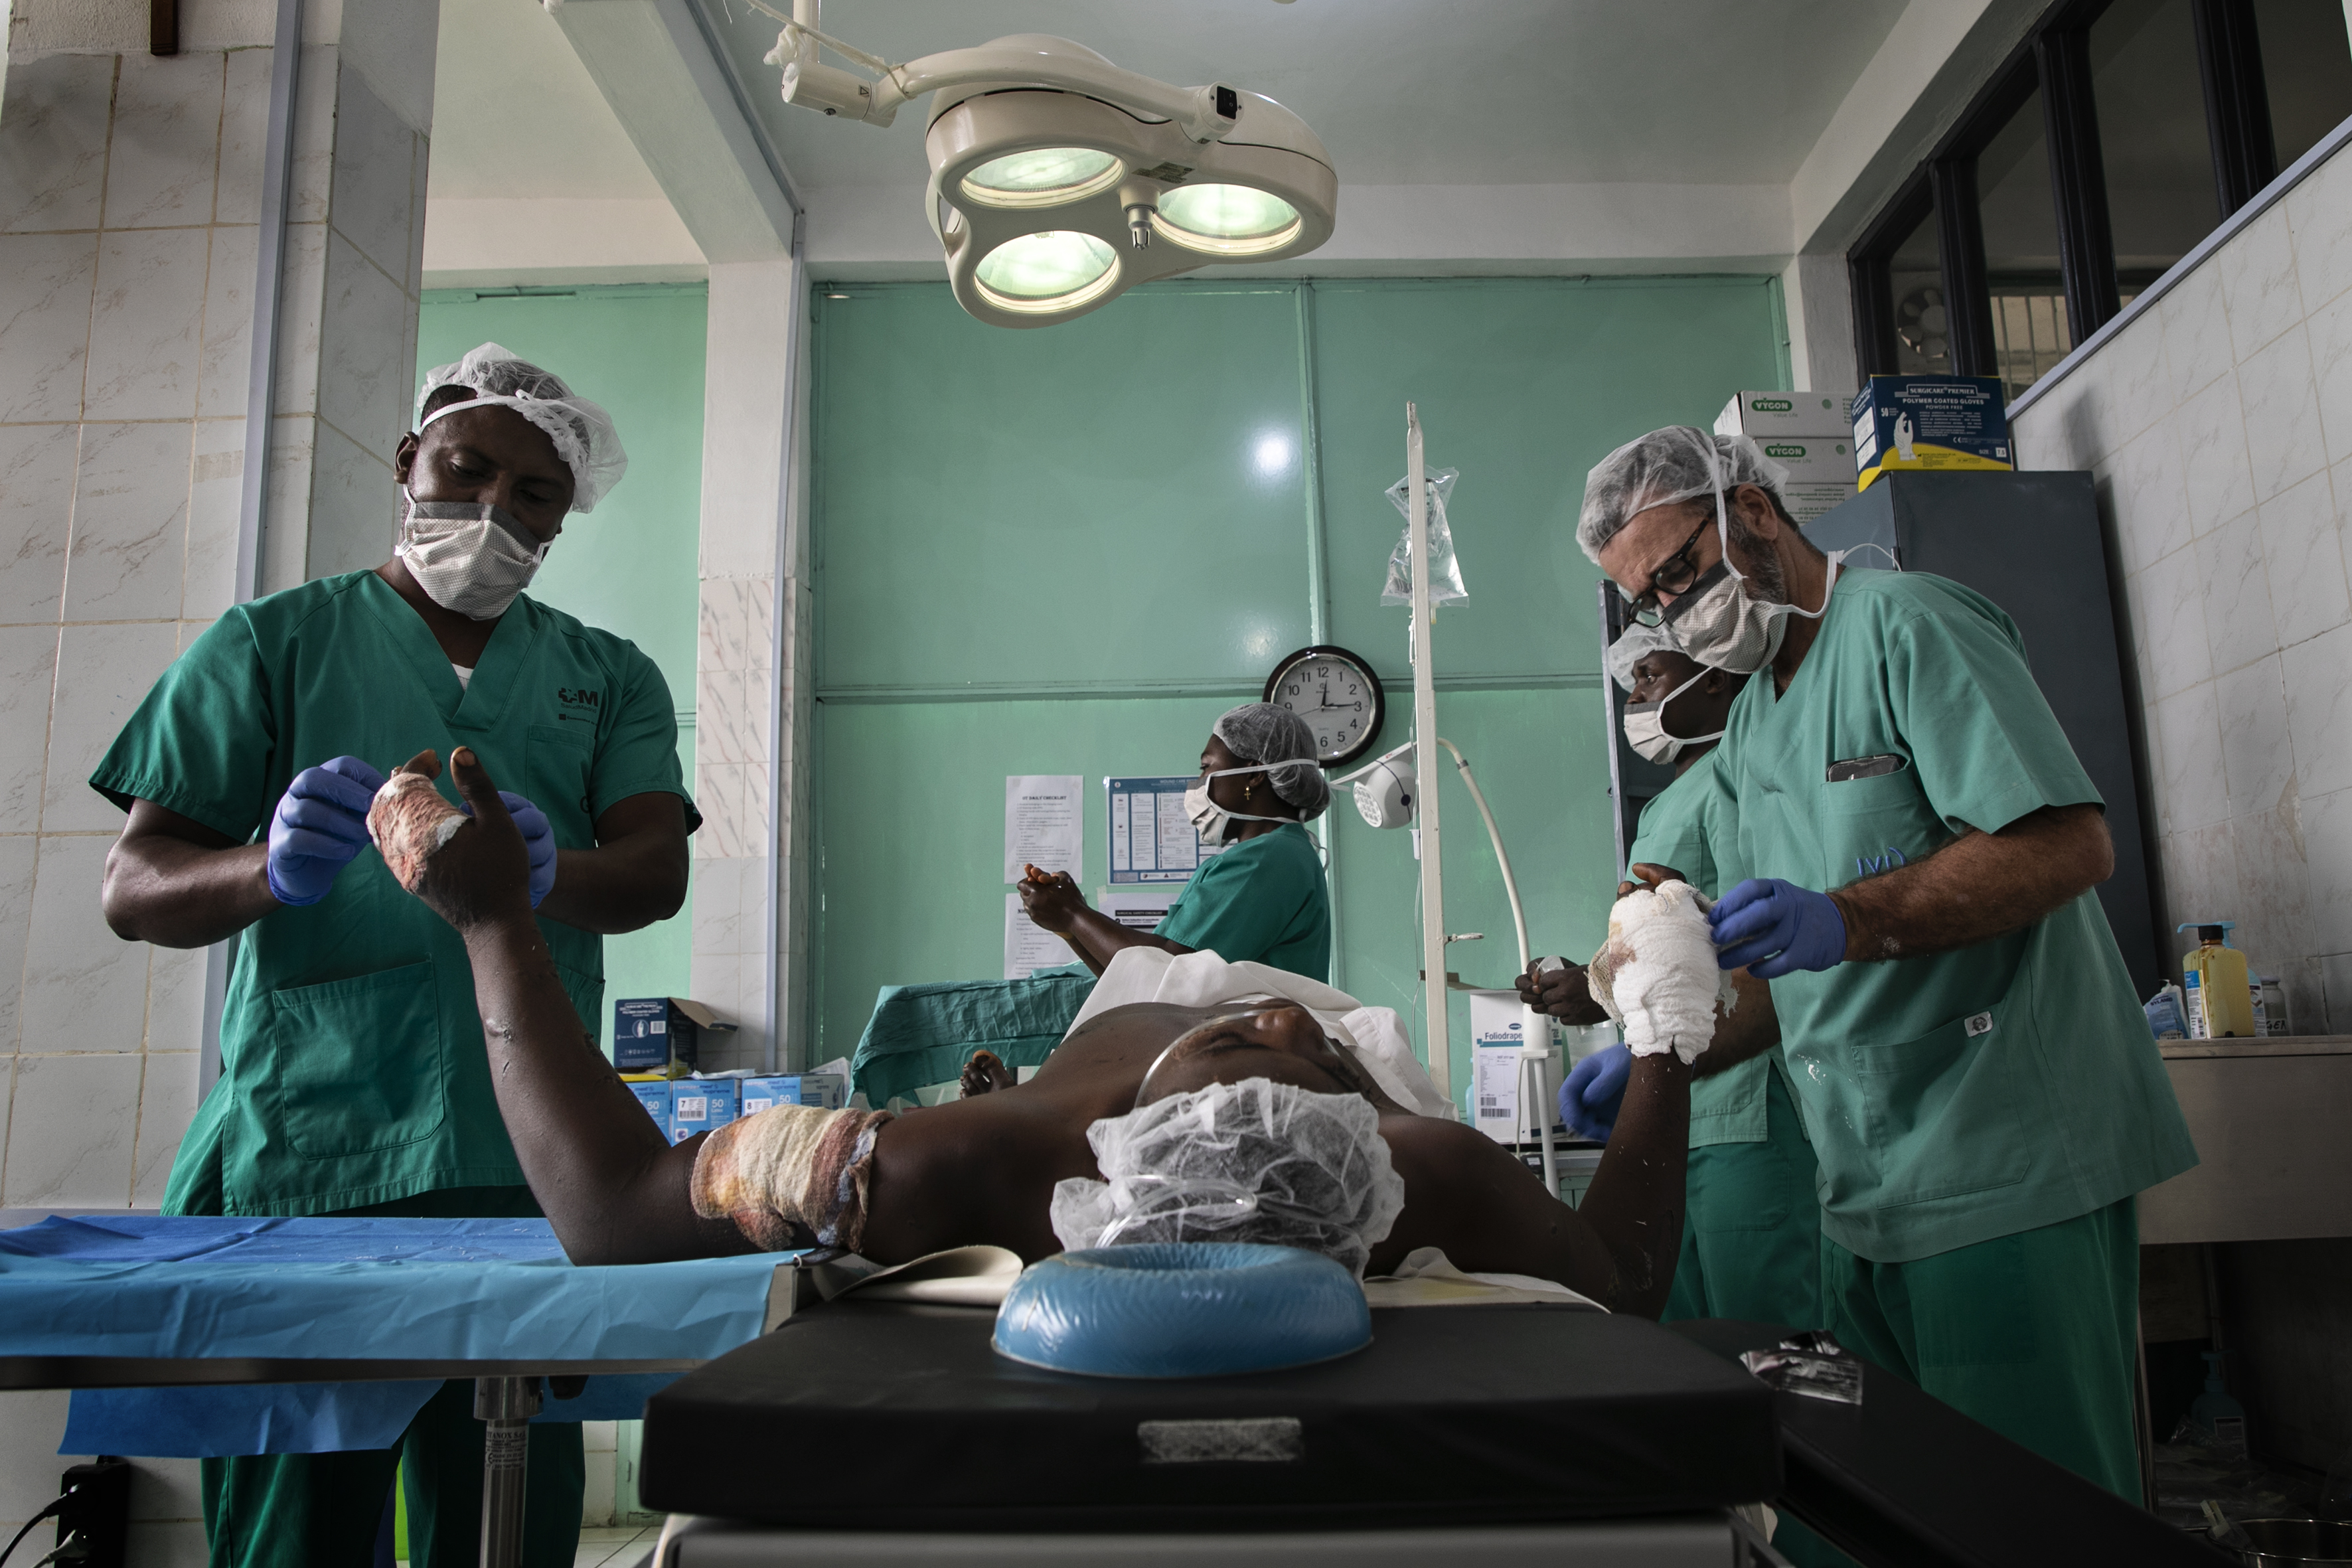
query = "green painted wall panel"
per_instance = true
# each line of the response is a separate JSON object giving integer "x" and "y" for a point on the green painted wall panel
{"x": 925, "y": 418}
{"x": 1523, "y": 385}
{"x": 1114, "y": 503}
{"x": 630, "y": 567}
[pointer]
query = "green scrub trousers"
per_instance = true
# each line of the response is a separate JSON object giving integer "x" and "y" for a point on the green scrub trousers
{"x": 2034, "y": 1334}
{"x": 1752, "y": 1226}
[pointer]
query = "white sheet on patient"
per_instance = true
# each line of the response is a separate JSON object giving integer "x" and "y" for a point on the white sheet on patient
{"x": 1204, "y": 980}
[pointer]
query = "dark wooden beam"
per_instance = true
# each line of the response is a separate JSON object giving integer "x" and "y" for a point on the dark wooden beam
{"x": 163, "y": 27}
{"x": 2237, "y": 103}
{"x": 1959, "y": 235}
{"x": 2078, "y": 181}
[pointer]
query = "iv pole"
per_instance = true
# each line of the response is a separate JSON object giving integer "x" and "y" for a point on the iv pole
{"x": 1425, "y": 766}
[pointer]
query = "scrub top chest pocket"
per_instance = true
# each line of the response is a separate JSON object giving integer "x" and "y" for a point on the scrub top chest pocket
{"x": 558, "y": 762}
{"x": 1875, "y": 823}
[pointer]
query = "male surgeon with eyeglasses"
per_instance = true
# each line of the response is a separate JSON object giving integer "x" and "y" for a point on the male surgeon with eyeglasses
{"x": 1918, "y": 852}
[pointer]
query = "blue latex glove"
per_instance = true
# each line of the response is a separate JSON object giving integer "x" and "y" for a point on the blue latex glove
{"x": 1595, "y": 1092}
{"x": 318, "y": 828}
{"x": 1772, "y": 928}
{"x": 538, "y": 840}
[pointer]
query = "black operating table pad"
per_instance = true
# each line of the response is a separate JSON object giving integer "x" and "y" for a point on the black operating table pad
{"x": 899, "y": 1417}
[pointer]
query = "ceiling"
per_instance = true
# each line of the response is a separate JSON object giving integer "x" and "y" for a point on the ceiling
{"x": 1648, "y": 126}
{"x": 1406, "y": 92}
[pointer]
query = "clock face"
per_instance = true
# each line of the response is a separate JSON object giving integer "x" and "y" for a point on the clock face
{"x": 1337, "y": 696}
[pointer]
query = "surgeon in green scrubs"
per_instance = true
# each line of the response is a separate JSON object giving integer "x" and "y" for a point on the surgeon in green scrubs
{"x": 352, "y": 1070}
{"x": 1921, "y": 847}
{"x": 1263, "y": 900}
{"x": 1751, "y": 1228}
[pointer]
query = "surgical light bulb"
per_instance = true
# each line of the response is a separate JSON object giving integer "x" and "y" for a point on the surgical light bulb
{"x": 1229, "y": 220}
{"x": 1042, "y": 177}
{"x": 1052, "y": 270}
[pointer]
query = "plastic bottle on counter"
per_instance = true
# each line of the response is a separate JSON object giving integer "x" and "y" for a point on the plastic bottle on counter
{"x": 2274, "y": 1015}
{"x": 2215, "y": 986}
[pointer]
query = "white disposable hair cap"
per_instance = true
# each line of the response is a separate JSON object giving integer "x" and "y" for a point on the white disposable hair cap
{"x": 1255, "y": 1160}
{"x": 1675, "y": 463}
{"x": 583, "y": 432}
{"x": 1263, "y": 732}
{"x": 1637, "y": 643}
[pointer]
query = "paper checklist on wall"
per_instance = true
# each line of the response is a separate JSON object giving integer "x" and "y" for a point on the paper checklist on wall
{"x": 1042, "y": 826}
{"x": 1026, "y": 947}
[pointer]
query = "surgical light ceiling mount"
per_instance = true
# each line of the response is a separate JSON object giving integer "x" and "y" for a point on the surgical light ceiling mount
{"x": 1059, "y": 180}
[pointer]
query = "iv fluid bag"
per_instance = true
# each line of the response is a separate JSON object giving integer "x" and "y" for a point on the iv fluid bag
{"x": 1444, "y": 571}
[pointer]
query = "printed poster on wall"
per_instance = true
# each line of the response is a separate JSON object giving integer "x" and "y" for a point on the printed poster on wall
{"x": 1151, "y": 839}
{"x": 1044, "y": 826}
{"x": 1027, "y": 948}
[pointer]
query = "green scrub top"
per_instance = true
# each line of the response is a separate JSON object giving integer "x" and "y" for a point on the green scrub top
{"x": 1263, "y": 900}
{"x": 352, "y": 1070}
{"x": 1690, "y": 826}
{"x": 1963, "y": 1095}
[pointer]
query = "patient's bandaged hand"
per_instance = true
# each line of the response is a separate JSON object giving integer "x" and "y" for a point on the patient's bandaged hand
{"x": 1657, "y": 975}
{"x": 786, "y": 1165}
{"x": 409, "y": 819}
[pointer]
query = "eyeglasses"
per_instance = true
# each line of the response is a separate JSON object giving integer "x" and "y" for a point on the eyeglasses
{"x": 1675, "y": 575}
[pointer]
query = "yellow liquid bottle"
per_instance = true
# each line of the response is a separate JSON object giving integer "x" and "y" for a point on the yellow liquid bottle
{"x": 2213, "y": 984}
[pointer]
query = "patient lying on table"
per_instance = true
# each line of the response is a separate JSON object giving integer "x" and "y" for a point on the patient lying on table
{"x": 984, "y": 1170}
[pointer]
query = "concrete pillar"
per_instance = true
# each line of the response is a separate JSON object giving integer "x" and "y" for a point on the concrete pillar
{"x": 649, "y": 59}
{"x": 130, "y": 209}
{"x": 1818, "y": 294}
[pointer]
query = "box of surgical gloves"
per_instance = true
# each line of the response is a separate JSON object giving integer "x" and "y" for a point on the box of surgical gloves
{"x": 1912, "y": 424}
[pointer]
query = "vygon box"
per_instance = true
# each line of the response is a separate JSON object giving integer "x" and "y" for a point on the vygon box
{"x": 702, "y": 1105}
{"x": 1763, "y": 415}
{"x": 826, "y": 1090}
{"x": 1813, "y": 459}
{"x": 1910, "y": 424}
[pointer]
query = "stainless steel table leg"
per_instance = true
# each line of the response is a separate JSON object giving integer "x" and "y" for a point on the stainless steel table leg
{"x": 505, "y": 1406}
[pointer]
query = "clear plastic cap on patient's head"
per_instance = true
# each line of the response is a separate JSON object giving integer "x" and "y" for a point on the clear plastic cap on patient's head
{"x": 583, "y": 432}
{"x": 1677, "y": 463}
{"x": 1255, "y": 1160}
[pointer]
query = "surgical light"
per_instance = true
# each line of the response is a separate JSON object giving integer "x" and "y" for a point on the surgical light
{"x": 1059, "y": 180}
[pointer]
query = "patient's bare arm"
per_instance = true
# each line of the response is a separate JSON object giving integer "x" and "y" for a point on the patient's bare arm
{"x": 1467, "y": 1194}
{"x": 610, "y": 1183}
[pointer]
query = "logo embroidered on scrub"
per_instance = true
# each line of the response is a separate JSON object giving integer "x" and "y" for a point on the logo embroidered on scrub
{"x": 1885, "y": 860}
{"x": 578, "y": 704}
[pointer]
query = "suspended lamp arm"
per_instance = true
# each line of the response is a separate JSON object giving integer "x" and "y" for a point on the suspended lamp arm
{"x": 1493, "y": 833}
{"x": 1196, "y": 110}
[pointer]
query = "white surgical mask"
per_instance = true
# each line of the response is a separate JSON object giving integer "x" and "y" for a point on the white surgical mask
{"x": 1646, "y": 727}
{"x": 1212, "y": 822}
{"x": 469, "y": 556}
{"x": 1719, "y": 622}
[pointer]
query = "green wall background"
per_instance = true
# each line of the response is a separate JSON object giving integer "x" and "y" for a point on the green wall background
{"x": 1067, "y": 550}
{"x": 630, "y": 567}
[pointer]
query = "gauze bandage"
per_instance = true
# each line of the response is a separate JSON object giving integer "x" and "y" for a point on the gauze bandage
{"x": 1656, "y": 974}
{"x": 791, "y": 1163}
{"x": 409, "y": 819}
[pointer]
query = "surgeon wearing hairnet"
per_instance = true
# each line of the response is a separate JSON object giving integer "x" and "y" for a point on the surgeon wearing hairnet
{"x": 1262, "y": 898}
{"x": 353, "y": 1076}
{"x": 1917, "y": 849}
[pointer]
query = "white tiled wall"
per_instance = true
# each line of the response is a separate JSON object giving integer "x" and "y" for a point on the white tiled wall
{"x": 2219, "y": 426}
{"x": 126, "y": 248}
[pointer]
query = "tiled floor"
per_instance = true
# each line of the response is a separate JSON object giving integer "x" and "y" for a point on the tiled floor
{"x": 622, "y": 1546}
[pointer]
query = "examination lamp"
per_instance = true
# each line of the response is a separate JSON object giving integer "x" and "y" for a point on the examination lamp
{"x": 1059, "y": 180}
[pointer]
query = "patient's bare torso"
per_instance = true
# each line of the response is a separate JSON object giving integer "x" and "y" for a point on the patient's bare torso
{"x": 982, "y": 1169}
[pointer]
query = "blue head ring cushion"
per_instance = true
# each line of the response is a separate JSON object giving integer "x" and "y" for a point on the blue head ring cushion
{"x": 1249, "y": 1162}
{"x": 1262, "y": 733}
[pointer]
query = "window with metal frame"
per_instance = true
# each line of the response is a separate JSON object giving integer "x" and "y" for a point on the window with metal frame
{"x": 2114, "y": 139}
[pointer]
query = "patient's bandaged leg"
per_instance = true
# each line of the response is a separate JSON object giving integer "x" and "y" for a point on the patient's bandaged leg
{"x": 788, "y": 1163}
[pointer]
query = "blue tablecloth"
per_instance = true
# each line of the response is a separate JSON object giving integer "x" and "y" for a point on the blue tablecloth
{"x": 402, "y": 1289}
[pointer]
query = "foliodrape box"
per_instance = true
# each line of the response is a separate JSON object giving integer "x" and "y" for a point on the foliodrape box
{"x": 701, "y": 1105}
{"x": 650, "y": 1032}
{"x": 1928, "y": 422}
{"x": 826, "y": 1090}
